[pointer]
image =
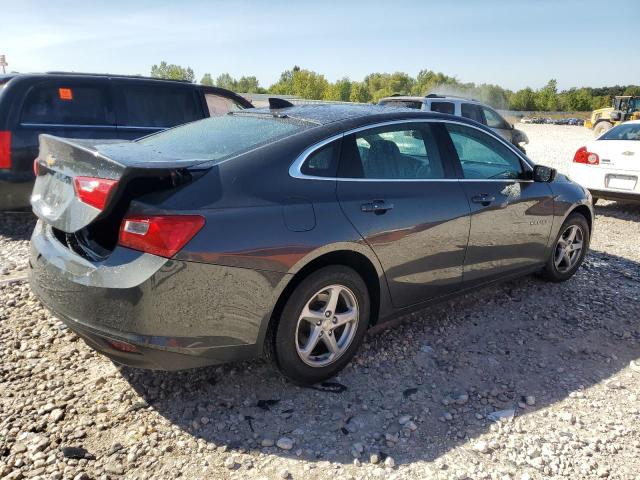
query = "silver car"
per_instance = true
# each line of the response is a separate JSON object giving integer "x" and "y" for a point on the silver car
{"x": 462, "y": 107}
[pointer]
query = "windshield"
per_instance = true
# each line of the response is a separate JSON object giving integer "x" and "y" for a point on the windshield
{"x": 219, "y": 138}
{"x": 625, "y": 131}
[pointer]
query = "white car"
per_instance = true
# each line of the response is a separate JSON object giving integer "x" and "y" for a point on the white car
{"x": 609, "y": 166}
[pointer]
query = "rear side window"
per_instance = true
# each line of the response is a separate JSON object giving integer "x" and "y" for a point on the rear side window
{"x": 322, "y": 162}
{"x": 404, "y": 151}
{"x": 474, "y": 112}
{"x": 403, "y": 104}
{"x": 219, "y": 138}
{"x": 157, "y": 106}
{"x": 67, "y": 105}
{"x": 443, "y": 107}
{"x": 219, "y": 105}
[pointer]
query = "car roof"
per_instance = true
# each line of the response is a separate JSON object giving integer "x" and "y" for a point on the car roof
{"x": 431, "y": 96}
{"x": 326, "y": 113}
{"x": 94, "y": 75}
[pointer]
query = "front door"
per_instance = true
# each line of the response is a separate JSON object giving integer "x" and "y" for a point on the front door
{"x": 402, "y": 197}
{"x": 511, "y": 215}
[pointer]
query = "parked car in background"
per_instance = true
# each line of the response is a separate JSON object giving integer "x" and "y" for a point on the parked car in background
{"x": 462, "y": 107}
{"x": 288, "y": 231}
{"x": 90, "y": 106}
{"x": 610, "y": 165}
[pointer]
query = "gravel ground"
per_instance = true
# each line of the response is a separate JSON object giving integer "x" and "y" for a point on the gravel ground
{"x": 524, "y": 380}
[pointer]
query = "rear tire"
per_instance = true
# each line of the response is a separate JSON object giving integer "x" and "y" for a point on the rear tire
{"x": 322, "y": 325}
{"x": 601, "y": 127}
{"x": 565, "y": 258}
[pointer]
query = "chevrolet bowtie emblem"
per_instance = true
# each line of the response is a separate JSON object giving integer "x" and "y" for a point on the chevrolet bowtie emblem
{"x": 628, "y": 153}
{"x": 50, "y": 160}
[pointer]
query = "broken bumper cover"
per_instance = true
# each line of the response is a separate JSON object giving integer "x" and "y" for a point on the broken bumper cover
{"x": 176, "y": 314}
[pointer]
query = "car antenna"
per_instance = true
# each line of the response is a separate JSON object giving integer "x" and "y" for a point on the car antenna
{"x": 277, "y": 103}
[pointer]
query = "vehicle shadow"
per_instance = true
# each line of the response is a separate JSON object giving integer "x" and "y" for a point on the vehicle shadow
{"x": 496, "y": 346}
{"x": 17, "y": 225}
{"x": 619, "y": 210}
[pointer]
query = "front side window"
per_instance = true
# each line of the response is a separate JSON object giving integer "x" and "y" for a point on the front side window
{"x": 405, "y": 151}
{"x": 67, "y": 105}
{"x": 494, "y": 120}
{"x": 482, "y": 156}
{"x": 474, "y": 112}
{"x": 219, "y": 105}
{"x": 157, "y": 106}
{"x": 443, "y": 107}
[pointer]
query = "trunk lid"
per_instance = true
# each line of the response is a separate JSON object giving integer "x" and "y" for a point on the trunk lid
{"x": 618, "y": 154}
{"x": 60, "y": 161}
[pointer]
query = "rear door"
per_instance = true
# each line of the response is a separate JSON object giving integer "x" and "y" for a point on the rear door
{"x": 511, "y": 215}
{"x": 144, "y": 107}
{"x": 401, "y": 195}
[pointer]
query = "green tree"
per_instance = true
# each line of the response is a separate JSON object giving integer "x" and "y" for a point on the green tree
{"x": 547, "y": 97}
{"x": 339, "y": 91}
{"x": 207, "y": 80}
{"x": 523, "y": 100}
{"x": 172, "y": 72}
{"x": 225, "y": 80}
{"x": 359, "y": 93}
{"x": 248, "y": 85}
{"x": 301, "y": 83}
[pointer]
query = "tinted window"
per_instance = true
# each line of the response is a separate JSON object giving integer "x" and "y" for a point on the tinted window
{"x": 218, "y": 138}
{"x": 494, "y": 120}
{"x": 482, "y": 156}
{"x": 219, "y": 105}
{"x": 406, "y": 151}
{"x": 626, "y": 131}
{"x": 443, "y": 107}
{"x": 322, "y": 162}
{"x": 158, "y": 106}
{"x": 474, "y": 112}
{"x": 65, "y": 104}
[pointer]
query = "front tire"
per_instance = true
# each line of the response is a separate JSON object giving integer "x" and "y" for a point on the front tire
{"x": 569, "y": 249}
{"x": 322, "y": 325}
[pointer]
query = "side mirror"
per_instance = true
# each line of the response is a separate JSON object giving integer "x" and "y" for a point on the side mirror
{"x": 542, "y": 173}
{"x": 615, "y": 116}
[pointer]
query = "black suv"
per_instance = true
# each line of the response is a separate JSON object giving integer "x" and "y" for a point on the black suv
{"x": 90, "y": 106}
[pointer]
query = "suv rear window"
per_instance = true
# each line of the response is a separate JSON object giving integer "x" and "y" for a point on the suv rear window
{"x": 67, "y": 105}
{"x": 403, "y": 104}
{"x": 219, "y": 138}
{"x": 443, "y": 107}
{"x": 157, "y": 106}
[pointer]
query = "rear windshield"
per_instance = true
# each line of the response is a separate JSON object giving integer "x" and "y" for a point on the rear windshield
{"x": 626, "y": 131}
{"x": 219, "y": 138}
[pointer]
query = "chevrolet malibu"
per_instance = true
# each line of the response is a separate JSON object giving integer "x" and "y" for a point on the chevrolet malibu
{"x": 288, "y": 232}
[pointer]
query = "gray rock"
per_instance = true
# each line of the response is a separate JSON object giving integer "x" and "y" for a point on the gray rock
{"x": 285, "y": 443}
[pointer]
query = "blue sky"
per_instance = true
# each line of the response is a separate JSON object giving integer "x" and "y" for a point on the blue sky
{"x": 511, "y": 43}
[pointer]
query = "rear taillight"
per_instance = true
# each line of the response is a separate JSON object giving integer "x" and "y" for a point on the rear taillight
{"x": 584, "y": 156}
{"x": 94, "y": 191}
{"x": 36, "y": 167}
{"x": 5, "y": 150}
{"x": 162, "y": 235}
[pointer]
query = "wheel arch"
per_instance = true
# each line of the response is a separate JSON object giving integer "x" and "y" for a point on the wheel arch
{"x": 584, "y": 211}
{"x": 366, "y": 267}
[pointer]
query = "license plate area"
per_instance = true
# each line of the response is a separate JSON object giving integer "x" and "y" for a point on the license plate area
{"x": 621, "y": 182}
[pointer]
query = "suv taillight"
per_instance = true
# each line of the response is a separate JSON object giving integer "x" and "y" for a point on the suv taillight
{"x": 5, "y": 150}
{"x": 584, "y": 156}
{"x": 94, "y": 191}
{"x": 162, "y": 235}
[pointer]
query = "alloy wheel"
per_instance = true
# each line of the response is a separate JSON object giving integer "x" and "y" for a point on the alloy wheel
{"x": 327, "y": 325}
{"x": 568, "y": 248}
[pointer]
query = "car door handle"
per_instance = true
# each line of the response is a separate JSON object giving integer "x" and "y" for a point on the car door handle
{"x": 484, "y": 199}
{"x": 377, "y": 206}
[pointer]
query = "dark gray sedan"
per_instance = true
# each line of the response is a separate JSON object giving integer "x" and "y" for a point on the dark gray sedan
{"x": 288, "y": 231}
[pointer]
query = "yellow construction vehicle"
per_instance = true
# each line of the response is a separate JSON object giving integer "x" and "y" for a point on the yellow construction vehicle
{"x": 624, "y": 108}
